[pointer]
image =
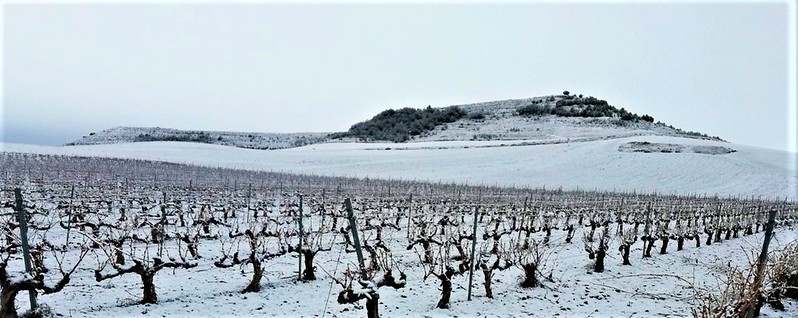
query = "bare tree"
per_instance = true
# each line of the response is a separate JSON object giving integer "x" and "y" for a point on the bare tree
{"x": 12, "y": 283}
{"x": 531, "y": 259}
{"x": 369, "y": 282}
{"x": 258, "y": 239}
{"x": 444, "y": 271}
{"x": 423, "y": 233}
{"x": 488, "y": 262}
{"x": 145, "y": 265}
{"x": 598, "y": 250}
{"x": 628, "y": 238}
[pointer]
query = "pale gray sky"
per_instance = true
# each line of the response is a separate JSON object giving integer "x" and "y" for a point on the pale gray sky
{"x": 718, "y": 68}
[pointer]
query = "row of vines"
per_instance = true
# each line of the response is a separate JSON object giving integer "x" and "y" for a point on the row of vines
{"x": 139, "y": 217}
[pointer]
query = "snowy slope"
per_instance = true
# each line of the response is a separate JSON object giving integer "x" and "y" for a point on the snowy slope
{"x": 596, "y": 164}
{"x": 252, "y": 140}
{"x": 648, "y": 288}
{"x": 502, "y": 123}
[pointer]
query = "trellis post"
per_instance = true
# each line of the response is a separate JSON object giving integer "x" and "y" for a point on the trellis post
{"x": 23, "y": 234}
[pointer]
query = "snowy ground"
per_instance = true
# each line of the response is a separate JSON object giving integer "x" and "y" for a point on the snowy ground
{"x": 660, "y": 286}
{"x": 504, "y": 126}
{"x": 663, "y": 285}
{"x": 597, "y": 164}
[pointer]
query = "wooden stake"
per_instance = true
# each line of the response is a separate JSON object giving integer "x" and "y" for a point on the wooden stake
{"x": 762, "y": 262}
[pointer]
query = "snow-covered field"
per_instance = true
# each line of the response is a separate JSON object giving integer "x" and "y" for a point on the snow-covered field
{"x": 663, "y": 285}
{"x": 655, "y": 287}
{"x": 597, "y": 164}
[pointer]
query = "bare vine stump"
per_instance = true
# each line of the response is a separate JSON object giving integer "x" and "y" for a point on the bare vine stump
{"x": 8, "y": 307}
{"x": 648, "y": 243}
{"x": 625, "y": 254}
{"x": 308, "y": 273}
{"x": 446, "y": 291}
{"x": 156, "y": 235}
{"x": 372, "y": 305}
{"x": 530, "y": 276}
{"x": 792, "y": 284}
{"x": 664, "y": 248}
{"x": 192, "y": 249}
{"x": 150, "y": 297}
{"x": 254, "y": 285}
{"x": 570, "y": 235}
{"x": 598, "y": 267}
{"x": 488, "y": 276}
{"x": 120, "y": 256}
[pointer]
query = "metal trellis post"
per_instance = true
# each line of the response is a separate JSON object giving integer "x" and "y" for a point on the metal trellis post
{"x": 473, "y": 250}
{"x": 23, "y": 234}
{"x": 355, "y": 238}
{"x": 301, "y": 235}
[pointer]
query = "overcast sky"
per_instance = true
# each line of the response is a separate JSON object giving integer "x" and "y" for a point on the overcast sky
{"x": 718, "y": 68}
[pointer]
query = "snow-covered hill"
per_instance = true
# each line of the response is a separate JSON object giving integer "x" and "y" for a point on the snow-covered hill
{"x": 251, "y": 140}
{"x": 496, "y": 120}
{"x": 605, "y": 164}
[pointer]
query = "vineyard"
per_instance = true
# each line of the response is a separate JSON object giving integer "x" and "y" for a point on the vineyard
{"x": 127, "y": 237}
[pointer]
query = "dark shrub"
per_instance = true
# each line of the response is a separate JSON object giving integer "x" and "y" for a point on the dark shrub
{"x": 476, "y": 116}
{"x": 400, "y": 125}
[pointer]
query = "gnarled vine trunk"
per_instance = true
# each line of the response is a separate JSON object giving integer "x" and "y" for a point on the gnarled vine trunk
{"x": 8, "y": 306}
{"x": 372, "y": 305}
{"x": 598, "y": 267}
{"x": 570, "y": 234}
{"x": 488, "y": 277}
{"x": 308, "y": 273}
{"x": 648, "y": 243}
{"x": 446, "y": 291}
{"x": 150, "y": 297}
{"x": 625, "y": 254}
{"x": 664, "y": 248}
{"x": 254, "y": 285}
{"x": 530, "y": 276}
